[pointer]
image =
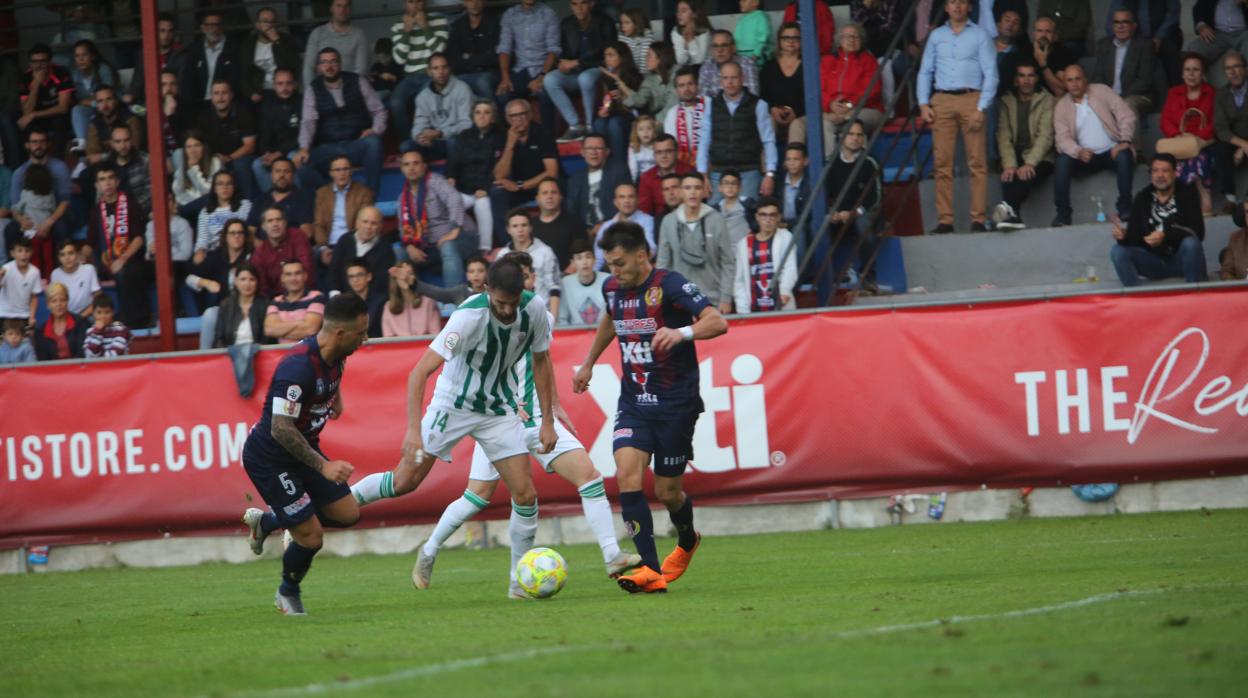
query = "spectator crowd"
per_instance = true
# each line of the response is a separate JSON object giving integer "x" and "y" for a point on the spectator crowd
{"x": 276, "y": 142}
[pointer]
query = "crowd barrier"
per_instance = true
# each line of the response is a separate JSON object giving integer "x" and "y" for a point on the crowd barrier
{"x": 799, "y": 407}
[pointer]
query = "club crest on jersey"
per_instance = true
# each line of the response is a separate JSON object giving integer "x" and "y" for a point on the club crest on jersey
{"x": 654, "y": 295}
{"x": 293, "y": 393}
{"x": 451, "y": 339}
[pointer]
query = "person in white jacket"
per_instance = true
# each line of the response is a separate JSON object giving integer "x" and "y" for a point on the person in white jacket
{"x": 758, "y": 256}
{"x": 545, "y": 263}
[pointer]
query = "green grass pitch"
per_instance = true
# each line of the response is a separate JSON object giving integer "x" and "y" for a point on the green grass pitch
{"x": 1142, "y": 605}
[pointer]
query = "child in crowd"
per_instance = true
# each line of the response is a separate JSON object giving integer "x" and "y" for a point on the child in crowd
{"x": 635, "y": 33}
{"x": 758, "y": 263}
{"x": 582, "y": 290}
{"x": 738, "y": 213}
{"x": 753, "y": 33}
{"x": 15, "y": 349}
{"x": 80, "y": 279}
{"x": 641, "y": 145}
{"x": 386, "y": 72}
{"x": 20, "y": 284}
{"x": 475, "y": 268}
{"x": 33, "y": 207}
{"x": 107, "y": 337}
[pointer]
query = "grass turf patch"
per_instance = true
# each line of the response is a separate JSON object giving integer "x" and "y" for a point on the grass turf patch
{"x": 1125, "y": 605}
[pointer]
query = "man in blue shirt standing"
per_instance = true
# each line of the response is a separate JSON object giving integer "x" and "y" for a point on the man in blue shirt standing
{"x": 957, "y": 83}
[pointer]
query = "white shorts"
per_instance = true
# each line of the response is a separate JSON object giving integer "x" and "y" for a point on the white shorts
{"x": 483, "y": 466}
{"x": 499, "y": 436}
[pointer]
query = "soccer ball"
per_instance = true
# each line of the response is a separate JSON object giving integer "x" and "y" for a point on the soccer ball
{"x": 541, "y": 573}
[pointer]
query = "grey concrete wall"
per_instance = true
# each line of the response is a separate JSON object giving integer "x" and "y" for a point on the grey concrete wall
{"x": 975, "y": 505}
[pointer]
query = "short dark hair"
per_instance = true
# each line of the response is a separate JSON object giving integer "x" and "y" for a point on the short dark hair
{"x": 103, "y": 301}
{"x": 68, "y": 243}
{"x": 166, "y": 17}
{"x": 104, "y": 86}
{"x": 672, "y": 175}
{"x": 690, "y": 70}
{"x": 506, "y": 276}
{"x": 664, "y": 137}
{"x": 524, "y": 259}
{"x": 727, "y": 172}
{"x": 517, "y": 211}
{"x": 594, "y": 134}
{"x": 329, "y": 49}
{"x": 357, "y": 262}
{"x": 695, "y": 175}
{"x": 799, "y": 147}
{"x": 23, "y": 241}
{"x": 39, "y": 48}
{"x": 223, "y": 81}
{"x": 438, "y": 54}
{"x": 290, "y": 261}
{"x": 476, "y": 258}
{"x": 281, "y": 158}
{"x": 580, "y": 245}
{"x": 1164, "y": 157}
{"x": 274, "y": 207}
{"x": 344, "y": 308}
{"x": 553, "y": 180}
{"x": 106, "y": 167}
{"x": 627, "y": 235}
{"x": 767, "y": 201}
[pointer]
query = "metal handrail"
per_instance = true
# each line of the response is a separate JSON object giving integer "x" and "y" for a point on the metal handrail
{"x": 817, "y": 189}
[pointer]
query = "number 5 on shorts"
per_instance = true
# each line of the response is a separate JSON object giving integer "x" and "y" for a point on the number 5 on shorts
{"x": 286, "y": 483}
{"x": 439, "y": 421}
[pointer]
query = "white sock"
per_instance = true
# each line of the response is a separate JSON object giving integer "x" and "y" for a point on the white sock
{"x": 522, "y": 529}
{"x": 598, "y": 514}
{"x": 455, "y": 515}
{"x": 373, "y": 487}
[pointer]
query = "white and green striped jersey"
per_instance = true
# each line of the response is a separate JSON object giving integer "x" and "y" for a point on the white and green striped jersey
{"x": 524, "y": 375}
{"x": 482, "y": 353}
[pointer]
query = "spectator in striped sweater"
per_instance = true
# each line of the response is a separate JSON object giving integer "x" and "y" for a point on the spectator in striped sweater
{"x": 107, "y": 337}
{"x": 417, "y": 37}
{"x": 298, "y": 312}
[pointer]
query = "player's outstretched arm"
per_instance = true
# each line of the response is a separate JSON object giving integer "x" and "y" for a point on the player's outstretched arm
{"x": 602, "y": 339}
{"x": 710, "y": 324}
{"x": 544, "y": 378}
{"x": 416, "y": 382}
{"x": 287, "y": 434}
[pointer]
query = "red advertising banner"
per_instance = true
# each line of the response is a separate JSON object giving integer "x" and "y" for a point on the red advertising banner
{"x": 798, "y": 407}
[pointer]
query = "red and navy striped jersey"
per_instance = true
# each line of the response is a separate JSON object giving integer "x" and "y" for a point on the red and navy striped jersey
{"x": 762, "y": 269}
{"x": 656, "y": 384}
{"x": 303, "y": 387}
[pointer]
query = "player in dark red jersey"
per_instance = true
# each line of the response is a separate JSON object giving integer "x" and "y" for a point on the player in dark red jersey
{"x": 303, "y": 488}
{"x": 656, "y": 314}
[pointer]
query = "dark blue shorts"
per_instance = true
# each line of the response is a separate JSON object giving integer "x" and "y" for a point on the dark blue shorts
{"x": 669, "y": 440}
{"x": 291, "y": 489}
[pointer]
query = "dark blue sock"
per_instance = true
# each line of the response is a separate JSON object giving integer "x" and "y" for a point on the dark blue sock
{"x": 682, "y": 518}
{"x": 295, "y": 564}
{"x": 636, "y": 514}
{"x": 268, "y": 523}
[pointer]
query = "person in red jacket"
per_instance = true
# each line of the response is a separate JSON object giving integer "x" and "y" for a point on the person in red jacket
{"x": 845, "y": 77}
{"x": 1189, "y": 109}
{"x": 825, "y": 23}
{"x": 650, "y": 183}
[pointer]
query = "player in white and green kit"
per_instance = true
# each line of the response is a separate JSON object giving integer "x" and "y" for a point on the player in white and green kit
{"x": 478, "y": 395}
{"x": 567, "y": 459}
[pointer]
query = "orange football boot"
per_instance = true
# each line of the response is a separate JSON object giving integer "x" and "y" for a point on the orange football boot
{"x": 643, "y": 580}
{"x": 677, "y": 562}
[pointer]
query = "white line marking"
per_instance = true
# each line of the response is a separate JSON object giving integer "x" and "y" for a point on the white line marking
{"x": 476, "y": 662}
{"x": 421, "y": 671}
{"x": 1038, "y": 610}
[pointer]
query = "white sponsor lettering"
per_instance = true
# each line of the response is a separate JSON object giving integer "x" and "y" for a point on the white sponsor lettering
{"x": 107, "y": 453}
{"x": 636, "y": 352}
{"x": 750, "y": 448}
{"x": 1169, "y": 381}
{"x": 645, "y": 325}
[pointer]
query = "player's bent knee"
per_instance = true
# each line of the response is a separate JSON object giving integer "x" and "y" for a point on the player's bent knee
{"x": 483, "y": 488}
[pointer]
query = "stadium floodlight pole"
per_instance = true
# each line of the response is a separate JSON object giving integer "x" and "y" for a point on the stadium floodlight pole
{"x": 160, "y": 180}
{"x": 812, "y": 85}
